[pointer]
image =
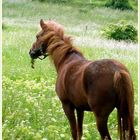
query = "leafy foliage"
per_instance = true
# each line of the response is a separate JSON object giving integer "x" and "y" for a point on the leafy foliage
{"x": 119, "y": 4}
{"x": 121, "y": 31}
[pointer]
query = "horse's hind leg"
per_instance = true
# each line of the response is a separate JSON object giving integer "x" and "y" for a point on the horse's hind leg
{"x": 80, "y": 115}
{"x": 102, "y": 127}
{"x": 69, "y": 111}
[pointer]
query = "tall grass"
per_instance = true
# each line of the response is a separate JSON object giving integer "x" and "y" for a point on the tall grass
{"x": 31, "y": 109}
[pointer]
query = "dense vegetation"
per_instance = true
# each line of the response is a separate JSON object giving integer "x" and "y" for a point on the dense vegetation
{"x": 121, "y": 31}
{"x": 119, "y": 4}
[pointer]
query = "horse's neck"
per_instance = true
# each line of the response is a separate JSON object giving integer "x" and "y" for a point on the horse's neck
{"x": 63, "y": 53}
{"x": 74, "y": 56}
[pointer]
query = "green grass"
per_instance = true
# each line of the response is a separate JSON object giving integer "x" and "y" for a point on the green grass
{"x": 31, "y": 109}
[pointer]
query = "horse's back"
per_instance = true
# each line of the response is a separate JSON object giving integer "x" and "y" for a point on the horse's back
{"x": 101, "y": 73}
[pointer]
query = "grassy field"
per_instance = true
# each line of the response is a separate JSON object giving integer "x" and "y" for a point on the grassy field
{"x": 31, "y": 109}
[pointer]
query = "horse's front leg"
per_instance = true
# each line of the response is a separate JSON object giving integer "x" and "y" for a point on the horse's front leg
{"x": 80, "y": 115}
{"x": 69, "y": 111}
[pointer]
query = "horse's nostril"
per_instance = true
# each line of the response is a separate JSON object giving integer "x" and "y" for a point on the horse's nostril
{"x": 31, "y": 52}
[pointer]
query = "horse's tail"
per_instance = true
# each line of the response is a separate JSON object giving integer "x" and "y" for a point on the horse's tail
{"x": 125, "y": 105}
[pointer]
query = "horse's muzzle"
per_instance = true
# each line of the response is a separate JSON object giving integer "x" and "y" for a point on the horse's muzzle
{"x": 33, "y": 54}
{"x": 40, "y": 51}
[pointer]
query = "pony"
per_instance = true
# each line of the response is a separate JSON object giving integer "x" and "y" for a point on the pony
{"x": 82, "y": 85}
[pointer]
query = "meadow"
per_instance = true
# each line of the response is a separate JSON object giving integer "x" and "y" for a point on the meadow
{"x": 31, "y": 108}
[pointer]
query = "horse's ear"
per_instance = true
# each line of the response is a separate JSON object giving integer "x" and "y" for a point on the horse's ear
{"x": 42, "y": 23}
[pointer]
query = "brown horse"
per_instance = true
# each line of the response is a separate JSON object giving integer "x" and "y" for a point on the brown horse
{"x": 82, "y": 85}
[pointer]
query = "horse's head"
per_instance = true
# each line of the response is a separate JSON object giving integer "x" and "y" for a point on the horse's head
{"x": 39, "y": 47}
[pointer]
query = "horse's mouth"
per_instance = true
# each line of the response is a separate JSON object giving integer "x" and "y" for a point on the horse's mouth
{"x": 39, "y": 54}
{"x": 34, "y": 54}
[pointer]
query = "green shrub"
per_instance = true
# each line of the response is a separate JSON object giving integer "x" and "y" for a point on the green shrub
{"x": 119, "y": 4}
{"x": 121, "y": 31}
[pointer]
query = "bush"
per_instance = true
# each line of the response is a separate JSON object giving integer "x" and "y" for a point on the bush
{"x": 121, "y": 31}
{"x": 119, "y": 4}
